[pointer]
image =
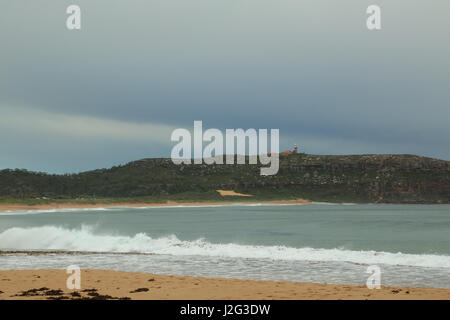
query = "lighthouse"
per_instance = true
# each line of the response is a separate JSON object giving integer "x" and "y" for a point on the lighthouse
{"x": 295, "y": 149}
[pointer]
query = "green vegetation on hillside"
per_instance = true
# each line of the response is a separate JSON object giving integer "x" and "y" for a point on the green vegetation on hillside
{"x": 353, "y": 178}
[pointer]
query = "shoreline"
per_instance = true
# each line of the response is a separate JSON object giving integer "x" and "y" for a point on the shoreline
{"x": 73, "y": 205}
{"x": 107, "y": 284}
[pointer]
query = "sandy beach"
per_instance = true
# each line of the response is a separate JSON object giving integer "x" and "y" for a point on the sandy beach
{"x": 101, "y": 284}
{"x": 72, "y": 205}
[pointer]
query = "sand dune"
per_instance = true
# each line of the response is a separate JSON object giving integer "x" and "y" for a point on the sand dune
{"x": 232, "y": 193}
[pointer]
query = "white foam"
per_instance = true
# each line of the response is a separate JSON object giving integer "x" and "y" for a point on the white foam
{"x": 326, "y": 203}
{"x": 85, "y": 239}
{"x": 39, "y": 211}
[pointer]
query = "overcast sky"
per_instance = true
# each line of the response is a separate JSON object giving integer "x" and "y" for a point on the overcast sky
{"x": 113, "y": 91}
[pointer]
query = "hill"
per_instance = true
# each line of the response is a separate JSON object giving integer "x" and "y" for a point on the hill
{"x": 347, "y": 178}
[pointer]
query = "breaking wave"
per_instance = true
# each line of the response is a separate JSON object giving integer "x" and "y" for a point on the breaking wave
{"x": 85, "y": 239}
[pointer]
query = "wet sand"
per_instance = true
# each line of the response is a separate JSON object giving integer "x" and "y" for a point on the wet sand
{"x": 99, "y": 284}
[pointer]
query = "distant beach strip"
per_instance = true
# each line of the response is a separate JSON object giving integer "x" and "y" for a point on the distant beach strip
{"x": 12, "y": 207}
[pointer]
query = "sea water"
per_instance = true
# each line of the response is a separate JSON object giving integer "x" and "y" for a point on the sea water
{"x": 323, "y": 243}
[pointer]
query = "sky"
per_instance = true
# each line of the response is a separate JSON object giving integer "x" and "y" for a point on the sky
{"x": 112, "y": 92}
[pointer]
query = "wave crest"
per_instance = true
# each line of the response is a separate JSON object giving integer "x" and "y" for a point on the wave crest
{"x": 85, "y": 239}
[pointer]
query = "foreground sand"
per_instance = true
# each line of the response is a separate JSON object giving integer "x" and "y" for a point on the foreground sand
{"x": 70, "y": 205}
{"x": 99, "y": 284}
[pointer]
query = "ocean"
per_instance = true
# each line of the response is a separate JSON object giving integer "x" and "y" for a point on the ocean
{"x": 321, "y": 242}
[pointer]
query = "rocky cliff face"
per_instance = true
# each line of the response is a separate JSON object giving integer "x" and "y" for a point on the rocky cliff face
{"x": 353, "y": 178}
{"x": 376, "y": 178}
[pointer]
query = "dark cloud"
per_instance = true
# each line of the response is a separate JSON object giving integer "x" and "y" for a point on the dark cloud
{"x": 309, "y": 68}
